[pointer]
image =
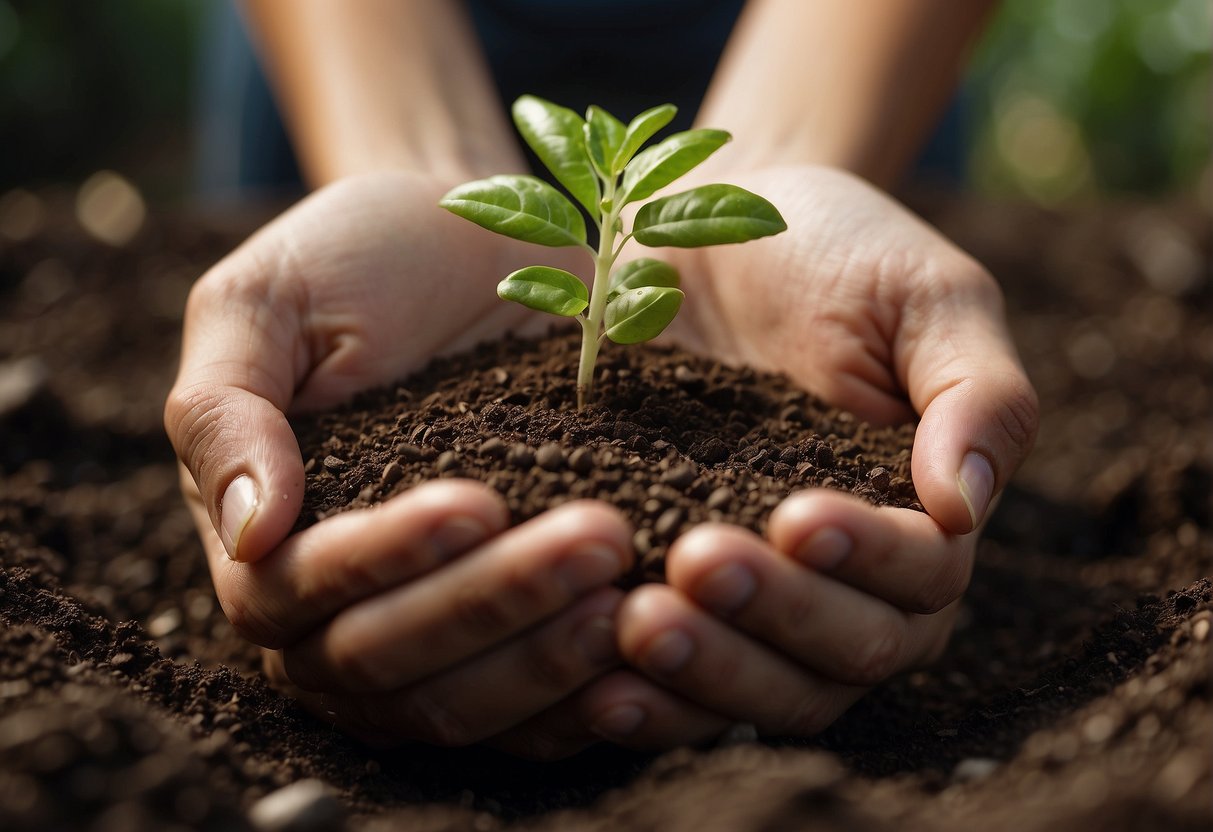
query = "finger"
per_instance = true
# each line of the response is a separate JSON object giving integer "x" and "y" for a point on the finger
{"x": 490, "y": 693}
{"x": 225, "y": 413}
{"x": 344, "y": 559}
{"x": 680, "y": 647}
{"x": 979, "y": 412}
{"x": 629, "y": 710}
{"x": 837, "y": 631}
{"x": 899, "y": 555}
{"x": 505, "y": 586}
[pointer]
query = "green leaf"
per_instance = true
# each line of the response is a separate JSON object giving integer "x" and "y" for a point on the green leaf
{"x": 603, "y": 135}
{"x": 545, "y": 289}
{"x": 640, "y": 130}
{"x": 707, "y": 216}
{"x": 643, "y": 271}
{"x": 659, "y": 165}
{"x": 641, "y": 314}
{"x": 521, "y": 207}
{"x": 557, "y": 136}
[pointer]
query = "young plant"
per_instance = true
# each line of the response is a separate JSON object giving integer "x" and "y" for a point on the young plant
{"x": 599, "y": 161}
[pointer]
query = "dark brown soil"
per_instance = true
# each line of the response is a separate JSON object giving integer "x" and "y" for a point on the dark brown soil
{"x": 672, "y": 440}
{"x": 1075, "y": 695}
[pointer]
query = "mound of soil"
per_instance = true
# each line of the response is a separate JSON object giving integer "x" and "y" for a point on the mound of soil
{"x": 1075, "y": 694}
{"x": 672, "y": 440}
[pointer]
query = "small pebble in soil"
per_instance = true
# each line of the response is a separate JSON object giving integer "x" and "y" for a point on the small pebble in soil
{"x": 304, "y": 806}
{"x": 393, "y": 472}
{"x": 493, "y": 447}
{"x": 972, "y": 769}
{"x": 680, "y": 476}
{"x": 549, "y": 457}
{"x": 581, "y": 461}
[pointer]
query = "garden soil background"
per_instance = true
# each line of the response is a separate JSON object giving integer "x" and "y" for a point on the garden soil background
{"x": 1075, "y": 694}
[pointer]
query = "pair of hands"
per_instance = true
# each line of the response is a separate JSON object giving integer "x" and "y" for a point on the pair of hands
{"x": 425, "y": 618}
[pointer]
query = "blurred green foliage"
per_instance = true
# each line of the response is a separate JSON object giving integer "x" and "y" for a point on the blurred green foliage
{"x": 1073, "y": 97}
{"x": 91, "y": 84}
{"x": 1065, "y": 98}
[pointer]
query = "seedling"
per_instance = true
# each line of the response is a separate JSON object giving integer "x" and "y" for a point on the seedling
{"x": 599, "y": 161}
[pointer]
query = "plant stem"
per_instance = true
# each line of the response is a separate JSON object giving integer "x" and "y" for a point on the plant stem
{"x": 591, "y": 324}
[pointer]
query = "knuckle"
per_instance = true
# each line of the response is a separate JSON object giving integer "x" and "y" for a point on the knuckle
{"x": 722, "y": 672}
{"x": 483, "y": 610}
{"x": 502, "y": 606}
{"x": 1018, "y": 414}
{"x": 553, "y": 666}
{"x": 331, "y": 580}
{"x": 426, "y": 719}
{"x": 254, "y": 620}
{"x": 946, "y": 581}
{"x": 356, "y": 667}
{"x": 188, "y": 418}
{"x": 810, "y": 715}
{"x": 881, "y": 656}
{"x": 798, "y": 612}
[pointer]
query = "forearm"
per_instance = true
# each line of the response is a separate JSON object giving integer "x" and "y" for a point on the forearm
{"x": 379, "y": 84}
{"x": 855, "y": 85}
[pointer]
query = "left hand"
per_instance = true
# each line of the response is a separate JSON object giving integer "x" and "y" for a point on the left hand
{"x": 868, "y": 307}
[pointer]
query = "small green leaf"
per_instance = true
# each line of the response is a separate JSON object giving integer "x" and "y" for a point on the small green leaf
{"x": 707, "y": 216}
{"x": 521, "y": 207}
{"x": 659, "y": 165}
{"x": 556, "y": 134}
{"x": 603, "y": 135}
{"x": 546, "y": 290}
{"x": 640, "y": 130}
{"x": 641, "y": 314}
{"x": 643, "y": 271}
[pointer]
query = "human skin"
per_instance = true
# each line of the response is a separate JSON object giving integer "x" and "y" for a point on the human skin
{"x": 341, "y": 294}
{"x": 367, "y": 280}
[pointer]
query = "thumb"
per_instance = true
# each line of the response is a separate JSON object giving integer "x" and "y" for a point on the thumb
{"x": 979, "y": 411}
{"x": 226, "y": 412}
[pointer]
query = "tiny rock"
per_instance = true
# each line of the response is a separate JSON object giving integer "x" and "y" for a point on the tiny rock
{"x": 581, "y": 461}
{"x": 719, "y": 498}
{"x": 305, "y": 806}
{"x": 335, "y": 464}
{"x": 711, "y": 451}
{"x": 409, "y": 452}
{"x": 393, "y": 472}
{"x": 20, "y": 381}
{"x": 879, "y": 478}
{"x": 550, "y": 457}
{"x": 668, "y": 523}
{"x": 1200, "y": 627}
{"x": 520, "y": 456}
{"x": 447, "y": 461}
{"x": 974, "y": 768}
{"x": 680, "y": 476}
{"x": 493, "y": 447}
{"x": 685, "y": 375}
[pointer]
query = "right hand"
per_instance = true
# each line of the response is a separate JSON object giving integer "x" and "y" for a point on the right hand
{"x": 422, "y": 618}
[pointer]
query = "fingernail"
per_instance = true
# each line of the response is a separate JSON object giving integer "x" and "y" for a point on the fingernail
{"x": 976, "y": 482}
{"x": 588, "y": 567}
{"x": 239, "y": 504}
{"x": 596, "y": 639}
{"x": 456, "y": 535}
{"x": 668, "y": 653}
{"x": 727, "y": 589}
{"x": 825, "y": 548}
{"x": 619, "y": 721}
